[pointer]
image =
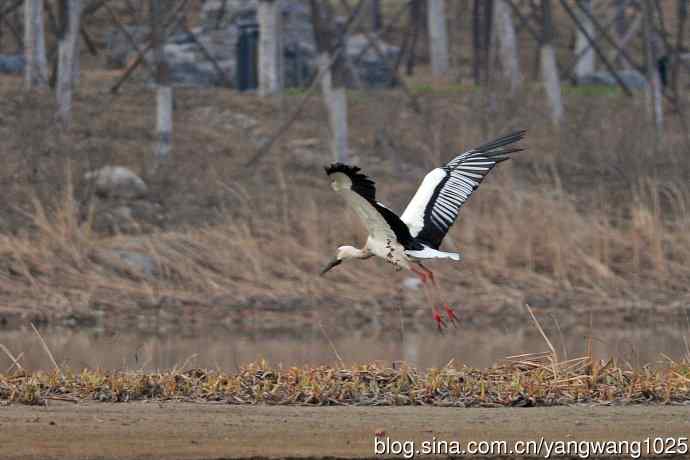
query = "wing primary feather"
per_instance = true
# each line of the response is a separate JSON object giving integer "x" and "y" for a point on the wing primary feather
{"x": 501, "y": 141}
{"x": 464, "y": 174}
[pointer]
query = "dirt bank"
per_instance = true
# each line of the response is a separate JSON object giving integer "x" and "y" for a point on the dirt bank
{"x": 191, "y": 431}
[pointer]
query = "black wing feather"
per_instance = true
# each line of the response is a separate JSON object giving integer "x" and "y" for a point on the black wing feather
{"x": 365, "y": 187}
{"x": 362, "y": 184}
{"x": 464, "y": 173}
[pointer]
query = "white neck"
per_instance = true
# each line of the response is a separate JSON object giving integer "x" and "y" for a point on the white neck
{"x": 349, "y": 252}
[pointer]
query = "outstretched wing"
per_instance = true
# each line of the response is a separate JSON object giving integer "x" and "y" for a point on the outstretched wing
{"x": 435, "y": 206}
{"x": 360, "y": 193}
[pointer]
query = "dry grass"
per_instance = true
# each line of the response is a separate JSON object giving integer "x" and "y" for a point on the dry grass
{"x": 526, "y": 380}
{"x": 537, "y": 244}
{"x": 593, "y": 215}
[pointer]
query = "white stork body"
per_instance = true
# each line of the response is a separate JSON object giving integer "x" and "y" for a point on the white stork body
{"x": 417, "y": 234}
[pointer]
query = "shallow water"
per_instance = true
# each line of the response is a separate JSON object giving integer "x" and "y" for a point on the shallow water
{"x": 472, "y": 346}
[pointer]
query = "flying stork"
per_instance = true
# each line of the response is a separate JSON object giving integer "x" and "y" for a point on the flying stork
{"x": 417, "y": 234}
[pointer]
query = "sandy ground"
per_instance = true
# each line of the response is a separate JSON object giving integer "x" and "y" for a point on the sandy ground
{"x": 200, "y": 431}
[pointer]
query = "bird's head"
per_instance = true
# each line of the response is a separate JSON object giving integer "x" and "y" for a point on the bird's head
{"x": 342, "y": 253}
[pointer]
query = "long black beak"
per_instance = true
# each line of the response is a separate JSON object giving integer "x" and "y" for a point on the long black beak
{"x": 334, "y": 262}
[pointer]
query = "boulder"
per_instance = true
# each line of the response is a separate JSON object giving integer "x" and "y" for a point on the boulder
{"x": 412, "y": 283}
{"x": 218, "y": 14}
{"x": 372, "y": 61}
{"x": 137, "y": 261}
{"x": 191, "y": 74}
{"x": 188, "y": 64}
{"x": 222, "y": 23}
{"x": 224, "y": 119}
{"x": 632, "y": 78}
{"x": 129, "y": 259}
{"x": 120, "y": 48}
{"x": 117, "y": 182}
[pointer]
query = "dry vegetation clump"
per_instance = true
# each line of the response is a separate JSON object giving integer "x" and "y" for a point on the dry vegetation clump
{"x": 524, "y": 381}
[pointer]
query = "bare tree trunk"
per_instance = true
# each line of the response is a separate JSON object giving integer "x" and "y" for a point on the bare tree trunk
{"x": 438, "y": 37}
{"x": 507, "y": 44}
{"x": 164, "y": 92}
{"x": 585, "y": 64}
{"x": 338, "y": 122}
{"x": 36, "y": 69}
{"x": 620, "y": 20}
{"x": 549, "y": 68}
{"x": 622, "y": 30}
{"x": 16, "y": 21}
{"x": 376, "y": 16}
{"x": 682, "y": 7}
{"x": 164, "y": 122}
{"x": 477, "y": 42}
{"x": 487, "y": 32}
{"x": 482, "y": 27}
{"x": 76, "y": 62}
{"x": 70, "y": 11}
{"x": 415, "y": 22}
{"x": 654, "y": 101}
{"x": 335, "y": 100}
{"x": 268, "y": 15}
{"x": 332, "y": 84}
{"x": 623, "y": 40}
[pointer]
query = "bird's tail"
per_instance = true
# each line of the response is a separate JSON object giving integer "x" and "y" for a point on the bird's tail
{"x": 430, "y": 253}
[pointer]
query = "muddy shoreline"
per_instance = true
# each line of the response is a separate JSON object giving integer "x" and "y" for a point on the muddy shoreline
{"x": 155, "y": 430}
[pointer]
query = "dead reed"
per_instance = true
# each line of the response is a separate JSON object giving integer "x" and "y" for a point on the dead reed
{"x": 523, "y": 380}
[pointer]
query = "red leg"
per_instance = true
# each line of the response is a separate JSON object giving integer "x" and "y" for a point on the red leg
{"x": 430, "y": 274}
{"x": 450, "y": 313}
{"x": 452, "y": 317}
{"x": 424, "y": 276}
{"x": 440, "y": 324}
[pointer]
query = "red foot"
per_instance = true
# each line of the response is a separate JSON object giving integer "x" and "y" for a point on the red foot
{"x": 452, "y": 317}
{"x": 439, "y": 320}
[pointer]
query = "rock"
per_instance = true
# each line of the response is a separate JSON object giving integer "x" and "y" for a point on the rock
{"x": 197, "y": 75}
{"x": 115, "y": 220}
{"x": 119, "y": 46}
{"x": 222, "y": 23}
{"x": 188, "y": 64}
{"x": 122, "y": 213}
{"x": 180, "y": 53}
{"x": 137, "y": 261}
{"x": 117, "y": 182}
{"x": 632, "y": 78}
{"x": 133, "y": 217}
{"x": 372, "y": 62}
{"x": 12, "y": 63}
{"x": 225, "y": 119}
{"x": 242, "y": 121}
{"x": 411, "y": 283}
{"x": 218, "y": 14}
